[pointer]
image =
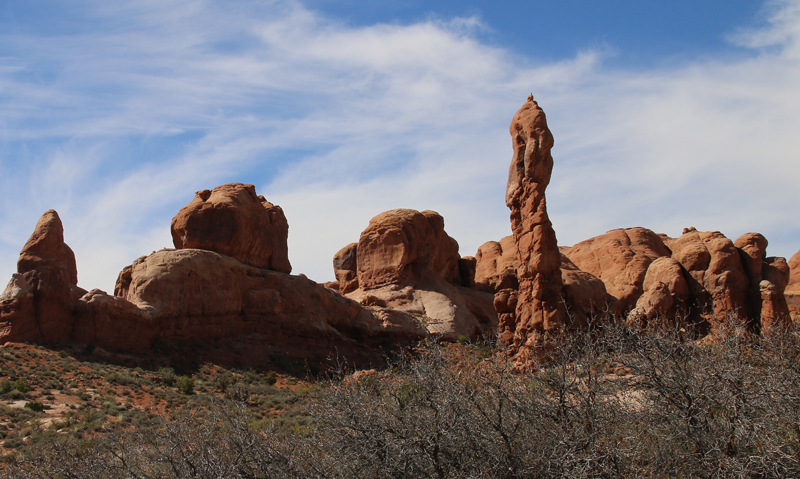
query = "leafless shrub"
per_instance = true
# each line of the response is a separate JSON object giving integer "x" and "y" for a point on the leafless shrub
{"x": 614, "y": 402}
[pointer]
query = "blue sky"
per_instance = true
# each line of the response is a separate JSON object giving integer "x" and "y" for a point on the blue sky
{"x": 665, "y": 115}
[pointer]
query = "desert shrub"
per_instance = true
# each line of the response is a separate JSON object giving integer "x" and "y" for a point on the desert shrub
{"x": 167, "y": 376}
{"x": 22, "y": 385}
{"x": 271, "y": 377}
{"x": 12, "y": 443}
{"x": 6, "y": 387}
{"x": 238, "y": 392}
{"x": 222, "y": 382}
{"x": 615, "y": 402}
{"x": 35, "y": 406}
{"x": 185, "y": 385}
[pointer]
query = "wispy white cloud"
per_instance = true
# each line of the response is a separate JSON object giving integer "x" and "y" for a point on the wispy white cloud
{"x": 116, "y": 126}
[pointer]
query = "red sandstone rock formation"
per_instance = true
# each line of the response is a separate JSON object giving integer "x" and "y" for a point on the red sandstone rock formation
{"x": 620, "y": 258}
{"x": 585, "y": 295}
{"x": 717, "y": 280}
{"x": 200, "y": 295}
{"x": 768, "y": 280}
{"x": 399, "y": 244}
{"x": 406, "y": 262}
{"x": 496, "y": 265}
{"x": 192, "y": 296}
{"x": 232, "y": 220}
{"x": 539, "y": 301}
{"x": 753, "y": 251}
{"x": 38, "y": 302}
{"x": 666, "y": 295}
{"x": 774, "y": 307}
{"x": 793, "y": 288}
{"x": 345, "y": 269}
{"x": 496, "y": 269}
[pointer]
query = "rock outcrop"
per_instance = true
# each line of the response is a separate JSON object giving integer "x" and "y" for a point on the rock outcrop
{"x": 620, "y": 259}
{"x": 496, "y": 265}
{"x": 539, "y": 300}
{"x": 792, "y": 292}
{"x": 774, "y": 307}
{"x": 345, "y": 269}
{"x": 717, "y": 279}
{"x": 768, "y": 280}
{"x": 665, "y": 296}
{"x": 585, "y": 295}
{"x": 401, "y": 245}
{"x": 228, "y": 279}
{"x": 406, "y": 263}
{"x": 39, "y": 299}
{"x": 234, "y": 221}
{"x": 200, "y": 296}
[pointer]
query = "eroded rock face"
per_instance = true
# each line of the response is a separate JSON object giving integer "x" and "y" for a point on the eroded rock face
{"x": 666, "y": 295}
{"x": 775, "y": 310}
{"x": 195, "y": 295}
{"x": 768, "y": 280}
{"x": 405, "y": 262}
{"x": 38, "y": 302}
{"x": 717, "y": 280}
{"x": 398, "y": 245}
{"x": 585, "y": 295}
{"x": 539, "y": 306}
{"x": 620, "y": 258}
{"x": 345, "y": 268}
{"x": 192, "y": 296}
{"x": 753, "y": 251}
{"x": 496, "y": 265}
{"x": 234, "y": 221}
{"x": 793, "y": 288}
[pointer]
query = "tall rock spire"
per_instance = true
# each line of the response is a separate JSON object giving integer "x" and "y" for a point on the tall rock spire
{"x": 539, "y": 305}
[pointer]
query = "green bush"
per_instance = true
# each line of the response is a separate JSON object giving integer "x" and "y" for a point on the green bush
{"x": 35, "y": 406}
{"x": 12, "y": 443}
{"x": 272, "y": 377}
{"x": 167, "y": 376}
{"x": 186, "y": 385}
{"x": 22, "y": 385}
{"x": 6, "y": 387}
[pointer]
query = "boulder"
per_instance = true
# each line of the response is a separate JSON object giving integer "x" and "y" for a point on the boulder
{"x": 234, "y": 221}
{"x": 402, "y": 244}
{"x": 539, "y": 302}
{"x": 665, "y": 300}
{"x": 620, "y": 259}
{"x": 585, "y": 295}
{"x": 496, "y": 265}
{"x": 345, "y": 269}
{"x": 717, "y": 280}
{"x": 405, "y": 262}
